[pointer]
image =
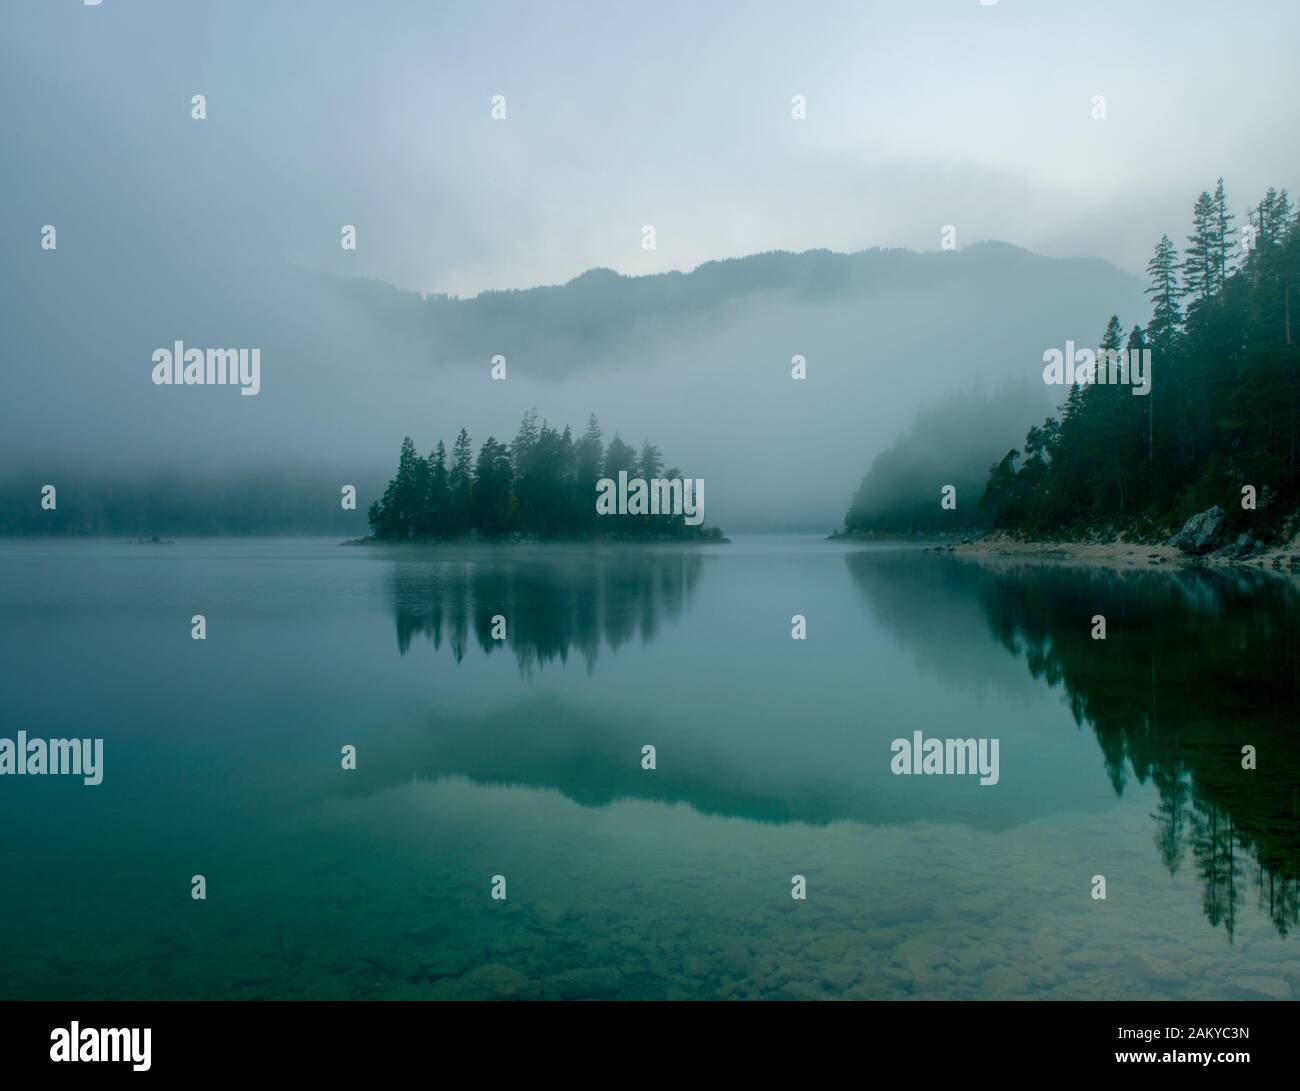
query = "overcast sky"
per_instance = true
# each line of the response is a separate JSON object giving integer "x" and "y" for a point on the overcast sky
{"x": 919, "y": 114}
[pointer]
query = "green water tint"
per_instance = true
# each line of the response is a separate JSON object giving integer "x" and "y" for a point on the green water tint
{"x": 1196, "y": 665}
{"x": 523, "y": 758}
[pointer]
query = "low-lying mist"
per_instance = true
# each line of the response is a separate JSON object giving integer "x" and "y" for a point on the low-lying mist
{"x": 699, "y": 363}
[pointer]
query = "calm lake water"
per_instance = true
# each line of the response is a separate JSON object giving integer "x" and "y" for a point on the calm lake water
{"x": 523, "y": 758}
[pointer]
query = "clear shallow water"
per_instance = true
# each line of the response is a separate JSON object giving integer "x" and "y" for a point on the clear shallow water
{"x": 222, "y": 757}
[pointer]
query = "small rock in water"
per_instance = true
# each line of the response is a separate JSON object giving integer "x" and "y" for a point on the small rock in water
{"x": 1259, "y": 988}
{"x": 586, "y": 984}
{"x": 447, "y": 962}
{"x": 493, "y": 981}
{"x": 1156, "y": 969}
{"x": 1003, "y": 981}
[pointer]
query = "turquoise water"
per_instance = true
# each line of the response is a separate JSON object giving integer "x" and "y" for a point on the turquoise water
{"x": 522, "y": 758}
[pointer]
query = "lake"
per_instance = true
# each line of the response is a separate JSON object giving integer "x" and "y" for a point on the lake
{"x": 519, "y": 762}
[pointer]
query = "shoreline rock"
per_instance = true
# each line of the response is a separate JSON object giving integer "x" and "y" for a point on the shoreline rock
{"x": 1203, "y": 533}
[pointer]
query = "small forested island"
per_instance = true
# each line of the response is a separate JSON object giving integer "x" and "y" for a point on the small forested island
{"x": 1216, "y": 433}
{"x": 543, "y": 485}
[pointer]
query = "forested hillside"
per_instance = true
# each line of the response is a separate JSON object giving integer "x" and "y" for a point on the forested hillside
{"x": 1222, "y": 411}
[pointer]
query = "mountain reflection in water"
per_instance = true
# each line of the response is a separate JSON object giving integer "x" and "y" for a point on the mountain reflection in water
{"x": 1196, "y": 665}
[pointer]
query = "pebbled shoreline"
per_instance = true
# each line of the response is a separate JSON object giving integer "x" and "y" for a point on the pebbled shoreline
{"x": 1121, "y": 554}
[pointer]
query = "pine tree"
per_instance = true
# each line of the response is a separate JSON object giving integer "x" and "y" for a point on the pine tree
{"x": 1223, "y": 232}
{"x": 402, "y": 498}
{"x": 1137, "y": 343}
{"x": 460, "y": 482}
{"x": 1112, "y": 340}
{"x": 651, "y": 463}
{"x": 619, "y": 456}
{"x": 589, "y": 457}
{"x": 566, "y": 469}
{"x": 1167, "y": 316}
{"x": 524, "y": 442}
{"x": 490, "y": 509}
{"x": 1108, "y": 419}
{"x": 438, "y": 499}
{"x": 1162, "y": 333}
{"x": 1200, "y": 262}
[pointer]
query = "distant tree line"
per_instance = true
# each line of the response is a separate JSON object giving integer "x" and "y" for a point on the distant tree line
{"x": 543, "y": 484}
{"x": 1224, "y": 406}
{"x": 239, "y": 502}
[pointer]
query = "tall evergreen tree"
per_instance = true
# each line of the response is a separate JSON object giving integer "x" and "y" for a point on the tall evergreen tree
{"x": 492, "y": 497}
{"x": 1162, "y": 335}
{"x": 524, "y": 442}
{"x": 1223, "y": 232}
{"x": 619, "y": 456}
{"x": 650, "y": 464}
{"x": 1166, "y": 315}
{"x": 589, "y": 458}
{"x": 402, "y": 502}
{"x": 438, "y": 500}
{"x": 1113, "y": 402}
{"x": 1199, "y": 263}
{"x": 460, "y": 484}
{"x": 1133, "y": 348}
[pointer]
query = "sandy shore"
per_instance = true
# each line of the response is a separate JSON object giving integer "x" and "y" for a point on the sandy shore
{"x": 1118, "y": 554}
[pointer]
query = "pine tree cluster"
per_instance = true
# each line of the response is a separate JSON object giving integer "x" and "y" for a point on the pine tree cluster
{"x": 1224, "y": 407}
{"x": 543, "y": 484}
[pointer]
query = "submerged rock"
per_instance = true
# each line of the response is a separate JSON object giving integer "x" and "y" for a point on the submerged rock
{"x": 1151, "y": 968}
{"x": 586, "y": 984}
{"x": 491, "y": 981}
{"x": 1259, "y": 988}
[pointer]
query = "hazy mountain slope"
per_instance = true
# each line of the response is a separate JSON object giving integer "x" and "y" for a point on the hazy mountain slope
{"x": 698, "y": 361}
{"x": 953, "y": 442}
